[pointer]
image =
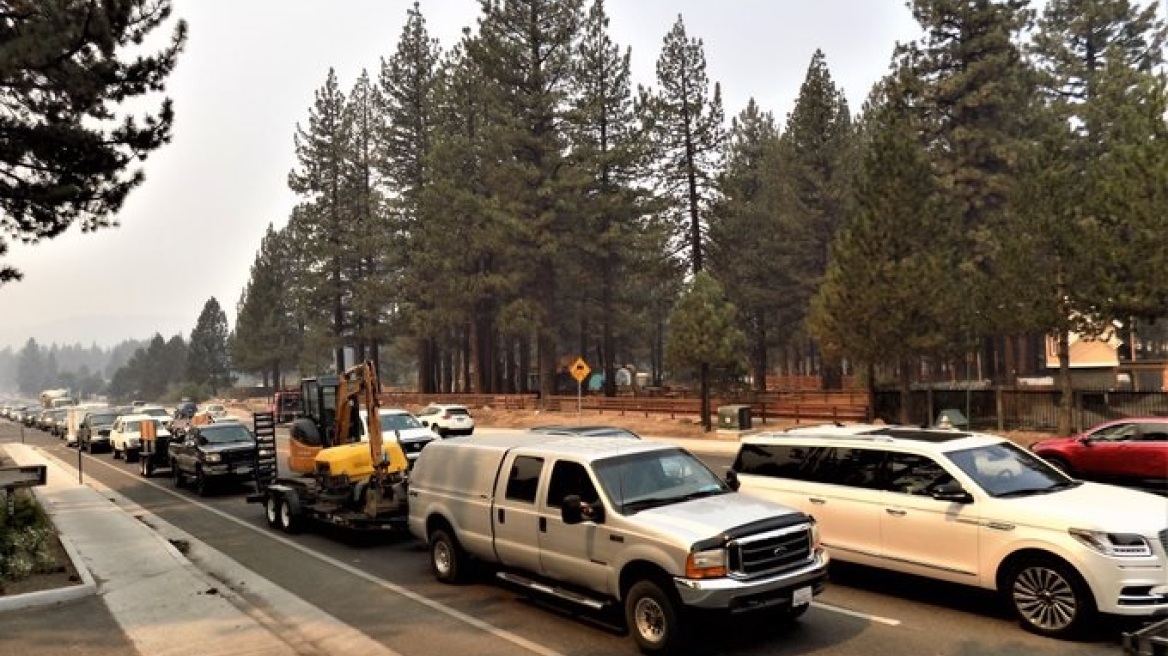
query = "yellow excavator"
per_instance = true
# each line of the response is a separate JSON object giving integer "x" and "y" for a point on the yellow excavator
{"x": 342, "y": 480}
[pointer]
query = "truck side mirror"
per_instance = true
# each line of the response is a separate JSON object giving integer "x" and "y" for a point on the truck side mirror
{"x": 732, "y": 480}
{"x": 573, "y": 510}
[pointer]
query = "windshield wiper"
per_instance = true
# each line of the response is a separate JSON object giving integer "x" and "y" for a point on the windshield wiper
{"x": 647, "y": 502}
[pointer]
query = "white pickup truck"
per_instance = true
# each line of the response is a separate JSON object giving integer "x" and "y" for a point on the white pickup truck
{"x": 606, "y": 521}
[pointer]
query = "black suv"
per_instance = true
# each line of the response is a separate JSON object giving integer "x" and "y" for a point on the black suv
{"x": 220, "y": 452}
{"x": 94, "y": 433}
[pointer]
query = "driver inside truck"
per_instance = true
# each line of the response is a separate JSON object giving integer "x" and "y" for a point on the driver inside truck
{"x": 568, "y": 479}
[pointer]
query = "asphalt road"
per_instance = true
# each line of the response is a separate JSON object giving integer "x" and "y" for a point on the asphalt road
{"x": 382, "y": 586}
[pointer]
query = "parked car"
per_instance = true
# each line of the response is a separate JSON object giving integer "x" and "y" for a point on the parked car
{"x": 93, "y": 435}
{"x": 126, "y": 435}
{"x": 216, "y": 410}
{"x": 1130, "y": 451}
{"x": 447, "y": 419}
{"x": 585, "y": 431}
{"x": 410, "y": 432}
{"x": 972, "y": 509}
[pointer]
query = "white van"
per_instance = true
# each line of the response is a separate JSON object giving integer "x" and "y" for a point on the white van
{"x": 74, "y": 418}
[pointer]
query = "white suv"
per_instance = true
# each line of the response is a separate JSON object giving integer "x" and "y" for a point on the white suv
{"x": 974, "y": 509}
{"x": 126, "y": 435}
{"x": 447, "y": 419}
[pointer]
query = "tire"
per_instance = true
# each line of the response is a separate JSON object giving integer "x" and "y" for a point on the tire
{"x": 273, "y": 507}
{"x": 652, "y": 617}
{"x": 1049, "y": 597}
{"x": 290, "y": 521}
{"x": 145, "y": 467}
{"x": 89, "y": 448}
{"x": 447, "y": 559}
{"x": 132, "y": 455}
{"x": 202, "y": 485}
{"x": 176, "y": 473}
{"x": 117, "y": 453}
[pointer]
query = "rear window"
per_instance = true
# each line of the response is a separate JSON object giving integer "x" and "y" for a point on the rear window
{"x": 457, "y": 411}
{"x": 102, "y": 419}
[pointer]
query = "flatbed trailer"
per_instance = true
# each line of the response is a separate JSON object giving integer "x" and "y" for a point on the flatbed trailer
{"x": 1152, "y": 640}
{"x": 289, "y": 503}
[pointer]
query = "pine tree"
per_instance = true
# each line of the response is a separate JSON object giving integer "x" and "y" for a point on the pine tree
{"x": 745, "y": 232}
{"x": 322, "y": 150}
{"x": 976, "y": 109}
{"x": 66, "y": 154}
{"x": 1100, "y": 178}
{"x": 884, "y": 292}
{"x": 525, "y": 51}
{"x": 266, "y": 340}
{"x": 610, "y": 147}
{"x": 687, "y": 122}
{"x": 816, "y": 150}
{"x": 208, "y": 362}
{"x": 703, "y": 334}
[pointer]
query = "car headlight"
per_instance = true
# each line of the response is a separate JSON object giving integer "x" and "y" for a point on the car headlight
{"x": 1119, "y": 545}
{"x": 214, "y": 457}
{"x": 706, "y": 564}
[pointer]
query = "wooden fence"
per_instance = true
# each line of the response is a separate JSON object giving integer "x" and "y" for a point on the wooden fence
{"x": 798, "y": 406}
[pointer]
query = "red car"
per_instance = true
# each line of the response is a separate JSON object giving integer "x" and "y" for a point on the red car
{"x": 1132, "y": 451}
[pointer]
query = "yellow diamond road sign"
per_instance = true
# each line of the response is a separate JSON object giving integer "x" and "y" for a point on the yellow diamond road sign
{"x": 580, "y": 370}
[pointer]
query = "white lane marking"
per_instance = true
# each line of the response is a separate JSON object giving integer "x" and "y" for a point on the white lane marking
{"x": 392, "y": 587}
{"x": 854, "y": 613}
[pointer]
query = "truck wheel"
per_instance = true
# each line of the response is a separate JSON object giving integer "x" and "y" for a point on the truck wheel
{"x": 1049, "y": 597}
{"x": 202, "y": 485}
{"x": 273, "y": 507}
{"x": 177, "y": 473}
{"x": 652, "y": 618}
{"x": 117, "y": 453}
{"x": 447, "y": 559}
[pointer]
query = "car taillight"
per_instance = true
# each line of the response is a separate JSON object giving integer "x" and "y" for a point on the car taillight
{"x": 447, "y": 416}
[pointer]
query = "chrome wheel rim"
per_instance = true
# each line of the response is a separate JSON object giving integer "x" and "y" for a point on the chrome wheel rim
{"x": 270, "y": 509}
{"x": 1045, "y": 598}
{"x": 650, "y": 619}
{"x": 285, "y": 515}
{"x": 442, "y": 558}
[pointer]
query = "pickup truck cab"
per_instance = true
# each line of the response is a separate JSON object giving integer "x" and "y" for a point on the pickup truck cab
{"x": 607, "y": 521}
{"x": 213, "y": 453}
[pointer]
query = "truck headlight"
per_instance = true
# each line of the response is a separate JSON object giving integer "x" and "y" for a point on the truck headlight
{"x": 214, "y": 457}
{"x": 1119, "y": 545}
{"x": 706, "y": 564}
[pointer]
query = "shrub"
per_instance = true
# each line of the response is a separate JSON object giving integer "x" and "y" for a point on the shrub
{"x": 24, "y": 540}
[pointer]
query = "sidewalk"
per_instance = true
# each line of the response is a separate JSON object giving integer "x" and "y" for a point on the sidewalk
{"x": 164, "y": 603}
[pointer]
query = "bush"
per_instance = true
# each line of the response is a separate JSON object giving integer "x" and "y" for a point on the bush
{"x": 24, "y": 540}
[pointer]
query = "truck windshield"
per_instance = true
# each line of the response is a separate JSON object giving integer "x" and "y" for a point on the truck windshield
{"x": 644, "y": 480}
{"x": 225, "y": 433}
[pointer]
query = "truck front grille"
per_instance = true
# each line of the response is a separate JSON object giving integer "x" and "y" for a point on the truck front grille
{"x": 1164, "y": 540}
{"x": 770, "y": 552}
{"x": 242, "y": 457}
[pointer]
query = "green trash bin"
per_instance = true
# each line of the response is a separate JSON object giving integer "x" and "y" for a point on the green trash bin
{"x": 734, "y": 417}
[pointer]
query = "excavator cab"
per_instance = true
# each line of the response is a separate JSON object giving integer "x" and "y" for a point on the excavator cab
{"x": 325, "y": 441}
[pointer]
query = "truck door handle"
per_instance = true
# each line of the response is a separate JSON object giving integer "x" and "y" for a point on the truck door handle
{"x": 502, "y": 516}
{"x": 543, "y": 524}
{"x": 817, "y": 501}
{"x": 897, "y": 512}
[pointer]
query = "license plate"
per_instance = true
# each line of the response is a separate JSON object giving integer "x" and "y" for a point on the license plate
{"x": 802, "y": 596}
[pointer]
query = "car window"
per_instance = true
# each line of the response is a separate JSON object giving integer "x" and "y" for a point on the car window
{"x": 849, "y": 466}
{"x": 524, "y": 479}
{"x": 1153, "y": 433}
{"x": 397, "y": 421}
{"x": 1115, "y": 433}
{"x": 570, "y": 478}
{"x": 131, "y": 426}
{"x": 911, "y": 473}
{"x": 457, "y": 411}
{"x": 1005, "y": 469}
{"x": 778, "y": 460}
{"x": 428, "y": 410}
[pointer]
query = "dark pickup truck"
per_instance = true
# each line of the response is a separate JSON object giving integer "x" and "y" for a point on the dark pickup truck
{"x": 210, "y": 454}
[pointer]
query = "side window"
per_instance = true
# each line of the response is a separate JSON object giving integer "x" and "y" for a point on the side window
{"x": 909, "y": 473}
{"x": 570, "y": 478}
{"x": 780, "y": 461}
{"x": 851, "y": 467}
{"x": 1116, "y": 433}
{"x": 524, "y": 479}
{"x": 1154, "y": 432}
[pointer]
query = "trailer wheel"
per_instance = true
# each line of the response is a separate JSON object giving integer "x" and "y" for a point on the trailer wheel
{"x": 132, "y": 455}
{"x": 273, "y": 507}
{"x": 145, "y": 467}
{"x": 290, "y": 520}
{"x": 652, "y": 618}
{"x": 447, "y": 559}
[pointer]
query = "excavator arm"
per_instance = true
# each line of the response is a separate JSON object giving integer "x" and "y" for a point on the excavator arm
{"x": 358, "y": 386}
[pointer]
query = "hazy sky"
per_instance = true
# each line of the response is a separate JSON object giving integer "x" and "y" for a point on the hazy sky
{"x": 247, "y": 77}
